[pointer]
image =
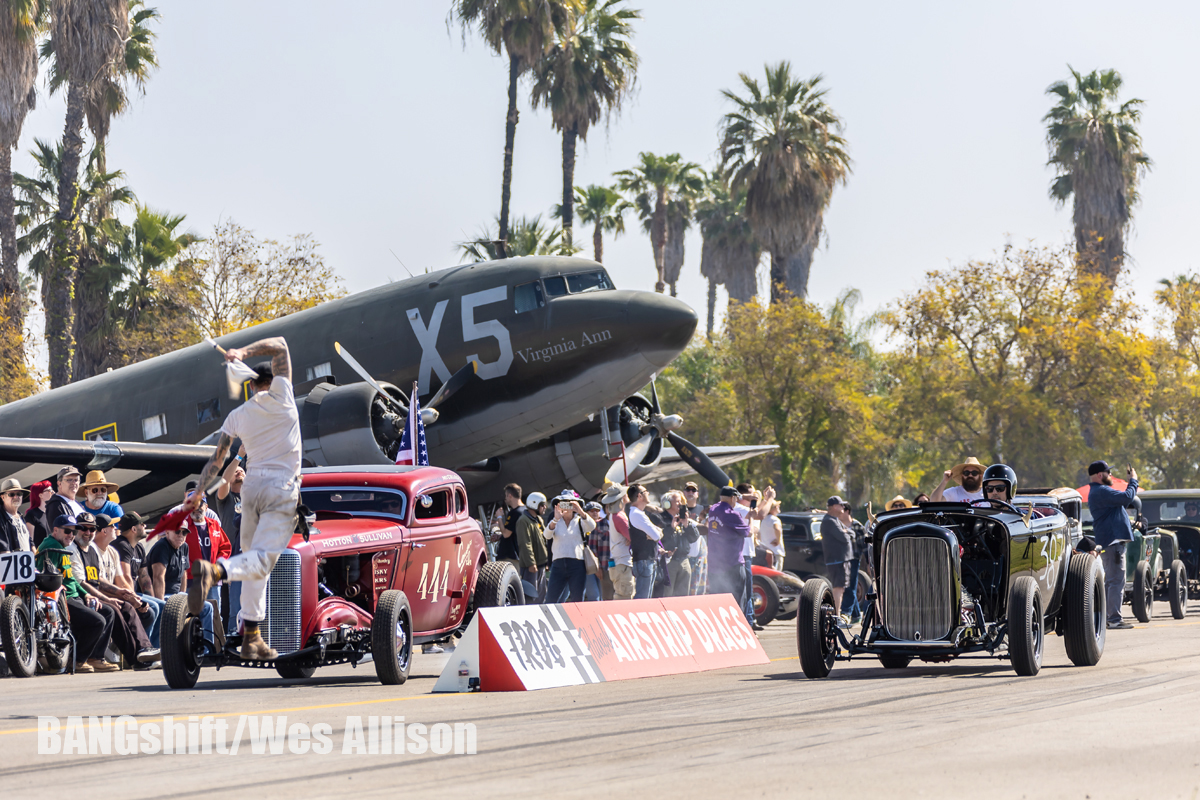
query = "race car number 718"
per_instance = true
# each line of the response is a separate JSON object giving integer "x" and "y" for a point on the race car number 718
{"x": 16, "y": 567}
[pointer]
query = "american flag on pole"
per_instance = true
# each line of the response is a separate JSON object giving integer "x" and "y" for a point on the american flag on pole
{"x": 414, "y": 432}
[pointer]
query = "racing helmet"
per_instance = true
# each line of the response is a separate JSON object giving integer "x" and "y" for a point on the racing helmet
{"x": 1003, "y": 473}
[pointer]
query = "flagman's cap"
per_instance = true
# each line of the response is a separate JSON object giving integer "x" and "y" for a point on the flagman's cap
{"x": 264, "y": 372}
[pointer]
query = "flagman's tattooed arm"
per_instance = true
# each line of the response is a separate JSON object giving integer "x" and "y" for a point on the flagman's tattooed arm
{"x": 275, "y": 347}
{"x": 209, "y": 473}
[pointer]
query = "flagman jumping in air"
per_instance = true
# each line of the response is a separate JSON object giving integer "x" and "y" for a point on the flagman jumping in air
{"x": 269, "y": 426}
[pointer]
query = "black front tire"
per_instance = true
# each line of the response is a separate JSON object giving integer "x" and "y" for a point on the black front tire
{"x": 178, "y": 659}
{"x": 20, "y": 639}
{"x": 1026, "y": 626}
{"x": 1085, "y": 610}
{"x": 891, "y": 661}
{"x": 813, "y": 621}
{"x": 1177, "y": 588}
{"x": 498, "y": 584}
{"x": 766, "y": 596}
{"x": 392, "y": 637}
{"x": 1143, "y": 592}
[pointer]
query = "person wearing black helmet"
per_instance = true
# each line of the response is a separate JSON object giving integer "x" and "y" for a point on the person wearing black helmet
{"x": 999, "y": 483}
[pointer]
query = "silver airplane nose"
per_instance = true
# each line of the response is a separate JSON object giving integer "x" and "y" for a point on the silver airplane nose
{"x": 662, "y": 326}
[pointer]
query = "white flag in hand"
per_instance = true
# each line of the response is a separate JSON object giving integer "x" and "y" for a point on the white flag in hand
{"x": 236, "y": 372}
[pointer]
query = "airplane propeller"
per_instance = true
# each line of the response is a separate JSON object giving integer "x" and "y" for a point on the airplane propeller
{"x": 663, "y": 426}
{"x": 429, "y": 414}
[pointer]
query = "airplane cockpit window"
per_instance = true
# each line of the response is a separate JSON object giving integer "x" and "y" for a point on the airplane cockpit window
{"x": 527, "y": 297}
{"x": 556, "y": 286}
{"x": 588, "y": 282}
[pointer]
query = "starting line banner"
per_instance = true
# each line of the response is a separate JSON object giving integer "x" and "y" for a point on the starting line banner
{"x": 519, "y": 648}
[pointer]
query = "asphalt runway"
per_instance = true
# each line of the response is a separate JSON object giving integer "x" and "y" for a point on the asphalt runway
{"x": 1127, "y": 728}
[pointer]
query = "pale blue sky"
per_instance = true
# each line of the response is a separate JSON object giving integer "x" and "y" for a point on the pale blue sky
{"x": 377, "y": 130}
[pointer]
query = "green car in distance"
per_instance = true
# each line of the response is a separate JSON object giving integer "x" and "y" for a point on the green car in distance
{"x": 1153, "y": 568}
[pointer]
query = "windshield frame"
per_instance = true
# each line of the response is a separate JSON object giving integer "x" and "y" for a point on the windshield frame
{"x": 401, "y": 518}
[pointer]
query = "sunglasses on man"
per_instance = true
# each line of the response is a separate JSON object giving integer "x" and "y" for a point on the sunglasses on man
{"x": 971, "y": 473}
{"x": 995, "y": 487}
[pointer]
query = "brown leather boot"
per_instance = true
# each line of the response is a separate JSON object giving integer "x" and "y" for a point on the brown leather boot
{"x": 204, "y": 577}
{"x": 254, "y": 648}
{"x": 218, "y": 625}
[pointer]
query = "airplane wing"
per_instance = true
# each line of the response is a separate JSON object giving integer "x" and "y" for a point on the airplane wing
{"x": 673, "y": 467}
{"x": 150, "y": 476}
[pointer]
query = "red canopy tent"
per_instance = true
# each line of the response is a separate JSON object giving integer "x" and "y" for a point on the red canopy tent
{"x": 1117, "y": 483}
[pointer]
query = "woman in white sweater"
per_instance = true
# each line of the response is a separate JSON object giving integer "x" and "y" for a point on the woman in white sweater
{"x": 567, "y": 532}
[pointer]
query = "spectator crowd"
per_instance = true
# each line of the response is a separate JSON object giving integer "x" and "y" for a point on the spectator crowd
{"x": 116, "y": 576}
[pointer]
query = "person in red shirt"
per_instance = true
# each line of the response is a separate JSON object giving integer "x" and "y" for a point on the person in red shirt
{"x": 205, "y": 540}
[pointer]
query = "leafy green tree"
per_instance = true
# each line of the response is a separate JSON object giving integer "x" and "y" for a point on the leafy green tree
{"x": 590, "y": 69}
{"x": 524, "y": 30}
{"x": 654, "y": 183}
{"x": 784, "y": 143}
{"x": 1096, "y": 150}
{"x": 602, "y": 208}
{"x": 1019, "y": 359}
{"x": 529, "y": 236}
{"x": 20, "y": 24}
{"x": 88, "y": 40}
{"x": 730, "y": 253}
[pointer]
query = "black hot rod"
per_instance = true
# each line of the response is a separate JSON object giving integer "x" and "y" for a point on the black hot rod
{"x": 955, "y": 579}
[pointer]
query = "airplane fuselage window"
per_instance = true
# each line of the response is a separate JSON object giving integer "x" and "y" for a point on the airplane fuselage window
{"x": 588, "y": 282}
{"x": 556, "y": 286}
{"x": 527, "y": 297}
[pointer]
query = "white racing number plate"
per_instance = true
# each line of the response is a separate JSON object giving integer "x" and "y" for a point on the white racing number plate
{"x": 16, "y": 568}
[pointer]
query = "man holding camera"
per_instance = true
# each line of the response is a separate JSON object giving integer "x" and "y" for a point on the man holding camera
{"x": 1111, "y": 529}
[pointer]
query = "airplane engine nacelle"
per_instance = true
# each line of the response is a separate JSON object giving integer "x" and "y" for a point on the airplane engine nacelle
{"x": 634, "y": 413}
{"x": 346, "y": 425}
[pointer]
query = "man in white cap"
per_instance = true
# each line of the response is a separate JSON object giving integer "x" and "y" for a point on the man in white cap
{"x": 269, "y": 427}
{"x": 970, "y": 473}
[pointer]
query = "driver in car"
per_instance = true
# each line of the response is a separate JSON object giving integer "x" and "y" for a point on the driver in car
{"x": 999, "y": 483}
{"x": 1191, "y": 511}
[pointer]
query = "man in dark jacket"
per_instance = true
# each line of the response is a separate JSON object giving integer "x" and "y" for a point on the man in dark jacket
{"x": 1111, "y": 529}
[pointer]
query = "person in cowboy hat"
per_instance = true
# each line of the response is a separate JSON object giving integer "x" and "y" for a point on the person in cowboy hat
{"x": 970, "y": 474}
{"x": 13, "y": 533}
{"x": 96, "y": 490}
{"x": 898, "y": 502}
{"x": 620, "y": 555}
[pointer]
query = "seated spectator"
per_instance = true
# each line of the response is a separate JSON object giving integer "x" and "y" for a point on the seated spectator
{"x": 128, "y": 633}
{"x": 114, "y": 584}
{"x": 91, "y": 629}
{"x": 96, "y": 491}
{"x": 169, "y": 563}
{"x": 131, "y": 556}
{"x": 64, "y": 502}
{"x": 36, "y": 521}
{"x": 13, "y": 533}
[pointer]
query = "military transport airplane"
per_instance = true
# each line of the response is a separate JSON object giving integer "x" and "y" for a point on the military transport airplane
{"x": 559, "y": 356}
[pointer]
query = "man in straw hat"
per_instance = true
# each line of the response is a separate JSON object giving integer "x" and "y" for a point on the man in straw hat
{"x": 269, "y": 427}
{"x": 13, "y": 533}
{"x": 96, "y": 490}
{"x": 620, "y": 555}
{"x": 898, "y": 502}
{"x": 969, "y": 475}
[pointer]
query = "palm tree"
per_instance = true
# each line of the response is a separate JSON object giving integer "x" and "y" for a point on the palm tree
{"x": 529, "y": 236}
{"x": 1096, "y": 149}
{"x": 524, "y": 30}
{"x": 730, "y": 253}
{"x": 109, "y": 99}
{"x": 588, "y": 72}
{"x": 602, "y": 208}
{"x": 654, "y": 183}
{"x": 784, "y": 143}
{"x": 37, "y": 207}
{"x": 88, "y": 40}
{"x": 20, "y": 24}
